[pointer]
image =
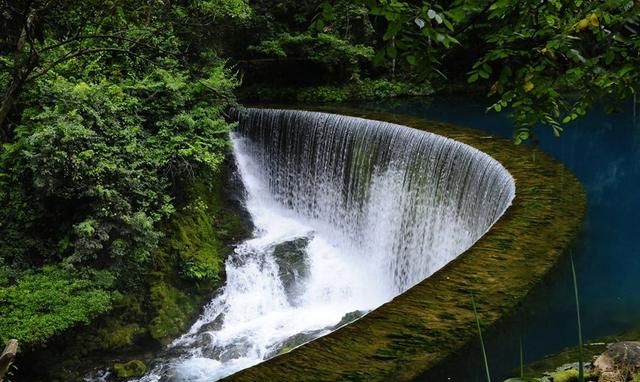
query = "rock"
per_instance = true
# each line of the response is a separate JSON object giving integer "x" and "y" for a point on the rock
{"x": 619, "y": 361}
{"x": 349, "y": 318}
{"x": 291, "y": 257}
{"x": 611, "y": 376}
{"x": 293, "y": 342}
{"x": 131, "y": 369}
{"x": 237, "y": 349}
{"x": 214, "y": 325}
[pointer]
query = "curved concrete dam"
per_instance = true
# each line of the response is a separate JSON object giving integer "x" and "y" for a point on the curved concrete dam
{"x": 350, "y": 213}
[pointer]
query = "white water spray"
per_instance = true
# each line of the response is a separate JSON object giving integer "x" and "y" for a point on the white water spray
{"x": 348, "y": 214}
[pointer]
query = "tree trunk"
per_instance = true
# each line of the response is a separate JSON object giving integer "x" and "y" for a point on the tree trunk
{"x": 8, "y": 103}
{"x": 6, "y": 359}
{"x": 24, "y": 65}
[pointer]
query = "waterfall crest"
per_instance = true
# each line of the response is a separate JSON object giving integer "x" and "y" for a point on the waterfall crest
{"x": 409, "y": 199}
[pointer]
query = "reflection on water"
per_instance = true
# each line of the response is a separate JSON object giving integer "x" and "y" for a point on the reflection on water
{"x": 603, "y": 150}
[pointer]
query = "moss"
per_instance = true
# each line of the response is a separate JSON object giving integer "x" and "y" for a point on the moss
{"x": 570, "y": 375}
{"x": 197, "y": 240}
{"x": 197, "y": 245}
{"x": 118, "y": 335}
{"x": 567, "y": 356}
{"x": 172, "y": 308}
{"x": 131, "y": 369}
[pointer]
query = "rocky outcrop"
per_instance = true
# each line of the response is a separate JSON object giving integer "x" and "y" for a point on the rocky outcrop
{"x": 621, "y": 362}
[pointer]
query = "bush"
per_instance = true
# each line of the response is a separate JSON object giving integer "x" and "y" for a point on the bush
{"x": 46, "y": 303}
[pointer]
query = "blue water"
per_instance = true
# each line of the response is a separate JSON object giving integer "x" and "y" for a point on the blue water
{"x": 603, "y": 150}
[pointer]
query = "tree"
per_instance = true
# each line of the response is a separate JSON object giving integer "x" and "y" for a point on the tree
{"x": 548, "y": 62}
{"x": 108, "y": 108}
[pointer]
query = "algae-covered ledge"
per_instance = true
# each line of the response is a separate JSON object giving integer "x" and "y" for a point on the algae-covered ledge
{"x": 407, "y": 336}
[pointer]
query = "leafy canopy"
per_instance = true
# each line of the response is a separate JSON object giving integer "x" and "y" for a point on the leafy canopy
{"x": 547, "y": 62}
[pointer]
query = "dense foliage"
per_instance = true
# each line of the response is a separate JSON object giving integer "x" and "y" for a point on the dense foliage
{"x": 113, "y": 132}
{"x": 548, "y": 62}
{"x": 293, "y": 50}
{"x": 110, "y": 110}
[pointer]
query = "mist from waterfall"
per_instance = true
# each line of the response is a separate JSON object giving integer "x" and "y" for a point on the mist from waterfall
{"x": 348, "y": 213}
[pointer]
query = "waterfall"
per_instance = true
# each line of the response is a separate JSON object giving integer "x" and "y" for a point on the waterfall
{"x": 348, "y": 213}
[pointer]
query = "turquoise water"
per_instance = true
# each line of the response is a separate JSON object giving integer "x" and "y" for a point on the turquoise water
{"x": 603, "y": 150}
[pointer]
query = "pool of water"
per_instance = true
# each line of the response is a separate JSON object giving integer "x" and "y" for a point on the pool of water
{"x": 603, "y": 150}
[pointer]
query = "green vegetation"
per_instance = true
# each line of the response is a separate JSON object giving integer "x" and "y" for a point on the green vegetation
{"x": 130, "y": 369}
{"x": 114, "y": 219}
{"x": 113, "y": 141}
{"x": 545, "y": 62}
{"x": 580, "y": 346}
{"x": 325, "y": 53}
{"x": 50, "y": 301}
{"x": 361, "y": 90}
{"x": 485, "y": 362}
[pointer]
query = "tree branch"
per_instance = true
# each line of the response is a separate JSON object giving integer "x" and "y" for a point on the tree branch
{"x": 79, "y": 53}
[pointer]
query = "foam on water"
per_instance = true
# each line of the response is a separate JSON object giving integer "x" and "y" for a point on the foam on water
{"x": 359, "y": 210}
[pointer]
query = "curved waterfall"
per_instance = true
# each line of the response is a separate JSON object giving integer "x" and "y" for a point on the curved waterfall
{"x": 349, "y": 213}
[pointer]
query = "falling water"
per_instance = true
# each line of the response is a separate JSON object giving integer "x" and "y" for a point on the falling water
{"x": 348, "y": 213}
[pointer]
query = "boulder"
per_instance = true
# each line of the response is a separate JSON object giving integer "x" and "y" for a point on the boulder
{"x": 620, "y": 361}
{"x": 291, "y": 257}
{"x": 131, "y": 369}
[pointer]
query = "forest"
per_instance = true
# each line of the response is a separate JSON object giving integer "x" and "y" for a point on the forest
{"x": 117, "y": 207}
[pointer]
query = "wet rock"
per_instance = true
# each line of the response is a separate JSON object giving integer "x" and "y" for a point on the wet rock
{"x": 295, "y": 341}
{"x": 349, "y": 318}
{"x": 131, "y": 369}
{"x": 214, "y": 325}
{"x": 231, "y": 351}
{"x": 203, "y": 340}
{"x": 620, "y": 361}
{"x": 291, "y": 257}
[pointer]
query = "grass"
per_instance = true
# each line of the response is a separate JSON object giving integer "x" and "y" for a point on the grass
{"x": 575, "y": 290}
{"x": 484, "y": 351}
{"x": 521, "y": 359}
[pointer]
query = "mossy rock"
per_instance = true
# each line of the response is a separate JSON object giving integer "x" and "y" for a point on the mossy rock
{"x": 118, "y": 335}
{"x": 173, "y": 307}
{"x": 131, "y": 369}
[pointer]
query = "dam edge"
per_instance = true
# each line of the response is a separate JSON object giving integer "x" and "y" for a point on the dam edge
{"x": 406, "y": 337}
